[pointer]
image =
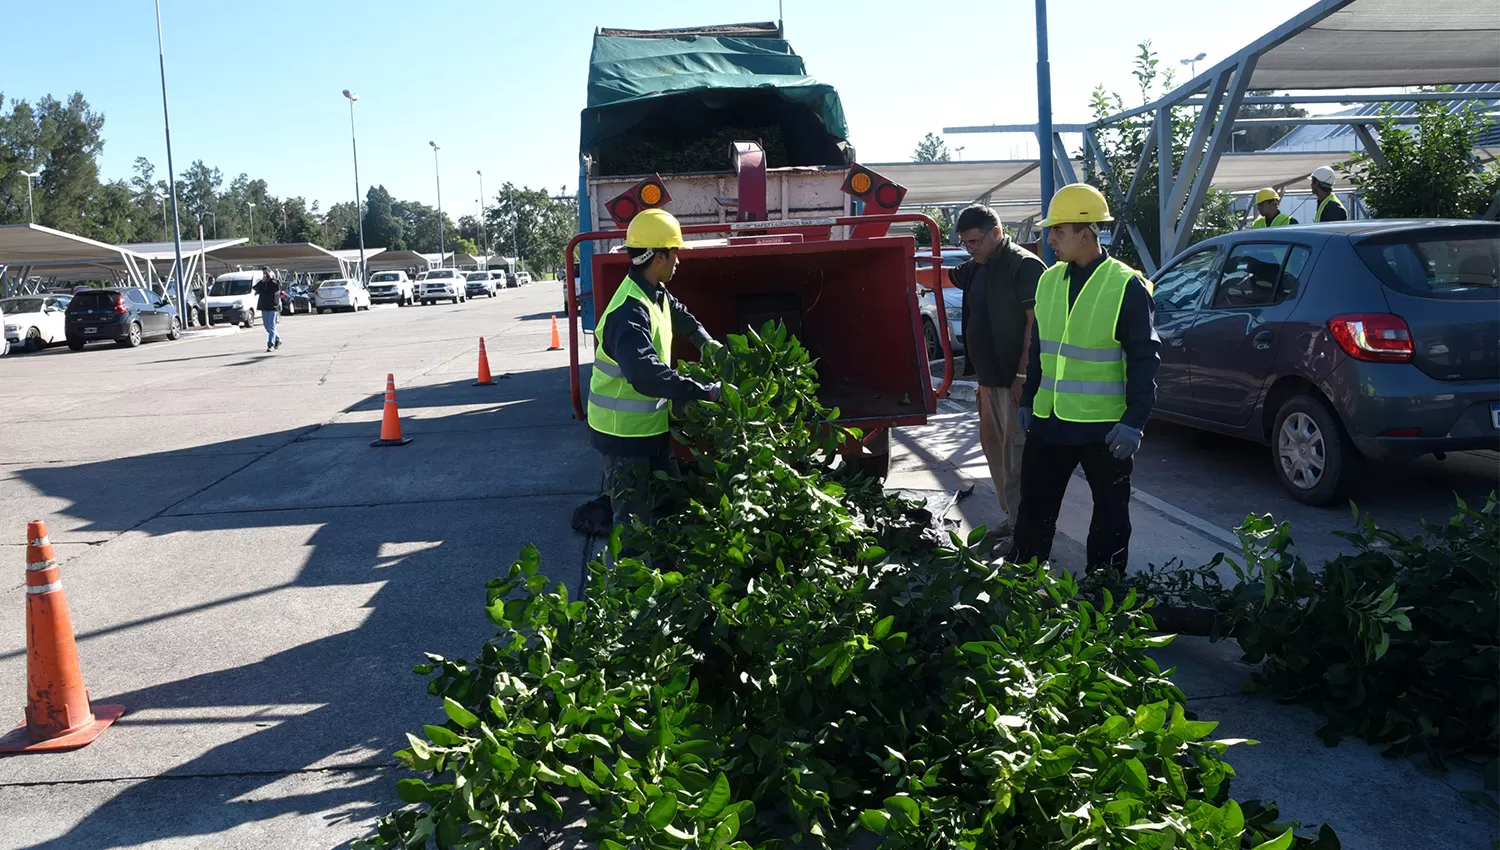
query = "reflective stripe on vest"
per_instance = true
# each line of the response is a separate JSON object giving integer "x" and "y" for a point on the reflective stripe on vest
{"x": 615, "y": 408}
{"x": 1083, "y": 366}
{"x": 1281, "y": 220}
{"x": 1323, "y": 204}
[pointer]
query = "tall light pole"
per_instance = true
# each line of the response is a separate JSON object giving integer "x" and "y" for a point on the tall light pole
{"x": 283, "y": 219}
{"x": 1193, "y": 63}
{"x": 960, "y": 151}
{"x": 1044, "y": 118}
{"x": 166, "y": 119}
{"x": 483, "y": 233}
{"x": 216, "y": 222}
{"x": 251, "y": 205}
{"x": 442, "y": 246}
{"x": 1232, "y": 137}
{"x": 358, "y": 213}
{"x": 30, "y": 212}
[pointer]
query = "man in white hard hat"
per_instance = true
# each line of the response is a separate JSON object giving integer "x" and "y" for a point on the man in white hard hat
{"x": 1330, "y": 208}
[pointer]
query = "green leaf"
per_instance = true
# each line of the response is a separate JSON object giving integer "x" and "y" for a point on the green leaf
{"x": 843, "y": 664}
{"x": 413, "y": 791}
{"x": 1135, "y": 776}
{"x": 724, "y": 833}
{"x": 905, "y": 808}
{"x": 1149, "y": 718}
{"x": 1280, "y": 842}
{"x": 460, "y": 715}
{"x": 553, "y": 807}
{"x": 875, "y": 820}
{"x": 883, "y": 628}
{"x": 442, "y": 736}
{"x": 663, "y": 810}
{"x": 547, "y": 774}
{"x": 715, "y": 800}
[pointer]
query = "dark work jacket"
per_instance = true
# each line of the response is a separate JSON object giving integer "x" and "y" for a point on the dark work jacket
{"x": 627, "y": 341}
{"x": 267, "y": 294}
{"x": 1136, "y": 331}
{"x": 997, "y": 295}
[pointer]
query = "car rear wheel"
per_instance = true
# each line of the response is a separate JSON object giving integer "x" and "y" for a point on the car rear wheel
{"x": 132, "y": 337}
{"x": 1315, "y": 459}
{"x": 34, "y": 341}
{"x": 175, "y": 332}
{"x": 75, "y": 345}
{"x": 934, "y": 343}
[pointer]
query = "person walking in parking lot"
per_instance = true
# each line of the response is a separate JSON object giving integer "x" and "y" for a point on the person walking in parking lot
{"x": 268, "y": 302}
{"x": 1090, "y": 383}
{"x": 1268, "y": 204}
{"x": 999, "y": 286}
{"x": 1330, "y": 208}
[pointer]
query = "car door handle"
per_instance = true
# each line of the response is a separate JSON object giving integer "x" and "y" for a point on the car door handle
{"x": 1178, "y": 342}
{"x": 1262, "y": 340}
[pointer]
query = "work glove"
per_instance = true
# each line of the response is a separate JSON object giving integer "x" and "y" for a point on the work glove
{"x": 710, "y": 344}
{"x": 1123, "y": 440}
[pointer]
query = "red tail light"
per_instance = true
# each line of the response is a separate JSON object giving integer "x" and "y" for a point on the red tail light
{"x": 120, "y": 309}
{"x": 1374, "y": 337}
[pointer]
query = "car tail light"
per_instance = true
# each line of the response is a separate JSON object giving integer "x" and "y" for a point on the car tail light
{"x": 1374, "y": 337}
{"x": 120, "y": 309}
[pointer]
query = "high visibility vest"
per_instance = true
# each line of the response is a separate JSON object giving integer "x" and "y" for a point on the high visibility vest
{"x": 1281, "y": 220}
{"x": 1323, "y": 204}
{"x": 615, "y": 407}
{"x": 1083, "y": 366}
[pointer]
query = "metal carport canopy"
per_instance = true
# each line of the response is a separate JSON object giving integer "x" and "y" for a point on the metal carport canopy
{"x": 35, "y": 245}
{"x": 296, "y": 256}
{"x": 396, "y": 261}
{"x": 1370, "y": 43}
{"x": 946, "y": 183}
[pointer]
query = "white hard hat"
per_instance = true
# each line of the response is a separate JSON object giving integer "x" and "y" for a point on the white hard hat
{"x": 1323, "y": 174}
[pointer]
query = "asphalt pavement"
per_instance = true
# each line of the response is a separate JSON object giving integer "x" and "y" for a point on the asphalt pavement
{"x": 254, "y": 582}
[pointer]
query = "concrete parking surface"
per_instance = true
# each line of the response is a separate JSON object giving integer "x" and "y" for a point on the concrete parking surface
{"x": 254, "y": 582}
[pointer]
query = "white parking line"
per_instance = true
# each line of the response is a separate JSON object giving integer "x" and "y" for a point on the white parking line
{"x": 1194, "y": 522}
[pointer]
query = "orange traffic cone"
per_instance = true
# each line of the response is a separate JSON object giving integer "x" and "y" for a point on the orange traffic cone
{"x": 484, "y": 380}
{"x": 556, "y": 340}
{"x": 58, "y": 714}
{"x": 390, "y": 423}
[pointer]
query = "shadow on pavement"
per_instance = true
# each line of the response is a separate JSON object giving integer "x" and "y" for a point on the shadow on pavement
{"x": 396, "y": 546}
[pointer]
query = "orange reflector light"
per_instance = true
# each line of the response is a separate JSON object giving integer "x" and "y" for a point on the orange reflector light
{"x": 651, "y": 194}
{"x": 860, "y": 183}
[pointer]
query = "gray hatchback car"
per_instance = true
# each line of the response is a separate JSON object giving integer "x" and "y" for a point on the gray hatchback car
{"x": 1336, "y": 344}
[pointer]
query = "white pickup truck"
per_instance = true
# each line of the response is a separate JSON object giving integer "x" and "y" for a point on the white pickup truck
{"x": 442, "y": 285}
{"x": 391, "y": 288}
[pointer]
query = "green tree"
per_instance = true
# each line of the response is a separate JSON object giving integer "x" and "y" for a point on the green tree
{"x": 1121, "y": 144}
{"x": 112, "y": 215}
{"x": 531, "y": 225}
{"x": 70, "y": 140}
{"x": 932, "y": 148}
{"x": 382, "y": 228}
{"x": 1428, "y": 169}
{"x": 339, "y": 227}
{"x": 1258, "y": 137}
{"x": 920, "y": 230}
{"x": 20, "y": 150}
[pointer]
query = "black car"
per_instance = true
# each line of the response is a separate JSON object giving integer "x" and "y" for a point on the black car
{"x": 126, "y": 315}
{"x": 1336, "y": 343}
{"x": 297, "y": 298}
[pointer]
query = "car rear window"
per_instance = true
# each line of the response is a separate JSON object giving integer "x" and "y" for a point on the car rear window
{"x": 1457, "y": 269}
{"x": 93, "y": 301}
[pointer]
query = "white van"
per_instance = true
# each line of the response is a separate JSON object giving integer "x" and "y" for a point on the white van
{"x": 232, "y": 299}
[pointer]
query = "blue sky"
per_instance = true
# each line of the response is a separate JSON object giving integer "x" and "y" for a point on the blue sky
{"x": 255, "y": 86}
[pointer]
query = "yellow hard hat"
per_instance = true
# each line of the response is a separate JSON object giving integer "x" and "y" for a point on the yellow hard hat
{"x": 654, "y": 228}
{"x": 1077, "y": 203}
{"x": 1266, "y": 195}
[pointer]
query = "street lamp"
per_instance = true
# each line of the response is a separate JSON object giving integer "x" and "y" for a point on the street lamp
{"x": 483, "y": 233}
{"x": 30, "y": 176}
{"x": 354, "y": 143}
{"x": 442, "y": 245}
{"x": 166, "y": 120}
{"x": 1231, "y": 138}
{"x": 960, "y": 151}
{"x": 1193, "y": 63}
{"x": 251, "y": 205}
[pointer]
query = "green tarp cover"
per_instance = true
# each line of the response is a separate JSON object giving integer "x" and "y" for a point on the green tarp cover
{"x": 628, "y": 75}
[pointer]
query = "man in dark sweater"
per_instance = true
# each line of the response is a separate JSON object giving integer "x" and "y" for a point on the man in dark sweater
{"x": 1090, "y": 383}
{"x": 268, "y": 302}
{"x": 633, "y": 380}
{"x": 999, "y": 286}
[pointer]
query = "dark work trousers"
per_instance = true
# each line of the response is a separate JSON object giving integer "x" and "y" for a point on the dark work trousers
{"x": 627, "y": 480}
{"x": 1046, "y": 469}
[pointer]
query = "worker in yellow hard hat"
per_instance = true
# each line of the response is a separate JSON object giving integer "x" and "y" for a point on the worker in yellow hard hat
{"x": 1268, "y": 204}
{"x": 633, "y": 380}
{"x": 1090, "y": 383}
